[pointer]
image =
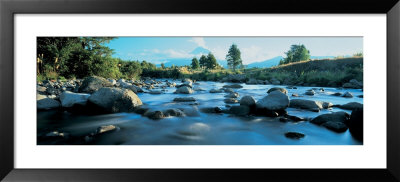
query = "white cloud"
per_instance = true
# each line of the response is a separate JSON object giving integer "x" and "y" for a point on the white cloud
{"x": 177, "y": 54}
{"x": 254, "y": 54}
{"x": 199, "y": 41}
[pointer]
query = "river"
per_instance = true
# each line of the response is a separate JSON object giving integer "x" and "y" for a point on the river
{"x": 198, "y": 128}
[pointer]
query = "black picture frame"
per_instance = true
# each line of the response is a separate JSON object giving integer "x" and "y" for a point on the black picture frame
{"x": 8, "y": 8}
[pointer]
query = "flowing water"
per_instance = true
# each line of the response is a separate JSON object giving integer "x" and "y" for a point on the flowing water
{"x": 199, "y": 128}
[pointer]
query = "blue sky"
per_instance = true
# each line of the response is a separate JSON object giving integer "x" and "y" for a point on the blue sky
{"x": 254, "y": 49}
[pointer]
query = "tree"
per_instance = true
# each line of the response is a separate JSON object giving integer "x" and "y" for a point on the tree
{"x": 211, "y": 61}
{"x": 203, "y": 61}
{"x": 233, "y": 57}
{"x": 195, "y": 63}
{"x": 296, "y": 53}
{"x": 162, "y": 66}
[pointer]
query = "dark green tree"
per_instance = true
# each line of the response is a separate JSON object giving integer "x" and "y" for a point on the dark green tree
{"x": 203, "y": 61}
{"x": 234, "y": 57}
{"x": 296, "y": 53}
{"x": 162, "y": 66}
{"x": 211, "y": 61}
{"x": 195, "y": 63}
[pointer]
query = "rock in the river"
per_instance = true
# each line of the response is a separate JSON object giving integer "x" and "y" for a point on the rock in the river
{"x": 335, "y": 126}
{"x": 211, "y": 110}
{"x": 155, "y": 115}
{"x": 337, "y": 94}
{"x": 44, "y": 102}
{"x": 295, "y": 118}
{"x": 114, "y": 100}
{"x": 294, "y": 135}
{"x": 228, "y": 90}
{"x": 155, "y": 92}
{"x": 348, "y": 95}
{"x": 184, "y": 99}
{"x": 240, "y": 110}
{"x": 309, "y": 104}
{"x": 69, "y": 99}
{"x": 310, "y": 92}
{"x": 216, "y": 91}
{"x": 184, "y": 90}
{"x": 274, "y": 101}
{"x": 233, "y": 86}
{"x": 94, "y": 83}
{"x": 356, "y": 124}
{"x": 197, "y": 88}
{"x": 334, "y": 121}
{"x": 351, "y": 106}
{"x": 230, "y": 100}
{"x": 112, "y": 81}
{"x": 283, "y": 90}
{"x": 106, "y": 129}
{"x": 41, "y": 89}
{"x": 233, "y": 95}
{"x": 252, "y": 81}
{"x": 248, "y": 101}
{"x": 173, "y": 112}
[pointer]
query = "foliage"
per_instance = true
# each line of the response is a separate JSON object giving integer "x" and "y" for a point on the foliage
{"x": 195, "y": 64}
{"x": 295, "y": 54}
{"x": 233, "y": 57}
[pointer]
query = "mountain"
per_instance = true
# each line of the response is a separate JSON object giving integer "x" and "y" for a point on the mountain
{"x": 200, "y": 50}
{"x": 266, "y": 64}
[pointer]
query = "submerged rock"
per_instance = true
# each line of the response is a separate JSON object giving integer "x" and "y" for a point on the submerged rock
{"x": 94, "y": 83}
{"x": 283, "y": 90}
{"x": 230, "y": 100}
{"x": 216, "y": 91}
{"x": 184, "y": 99}
{"x": 240, "y": 110}
{"x": 233, "y": 95}
{"x": 347, "y": 95}
{"x": 294, "y": 135}
{"x": 115, "y": 100}
{"x": 106, "y": 129}
{"x": 274, "y": 101}
{"x": 155, "y": 115}
{"x": 310, "y": 92}
{"x": 173, "y": 112}
{"x": 233, "y": 86}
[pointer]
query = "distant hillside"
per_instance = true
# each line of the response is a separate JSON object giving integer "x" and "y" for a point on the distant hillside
{"x": 275, "y": 61}
{"x": 200, "y": 50}
{"x": 321, "y": 65}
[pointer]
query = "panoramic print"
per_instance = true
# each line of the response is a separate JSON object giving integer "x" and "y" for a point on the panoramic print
{"x": 199, "y": 90}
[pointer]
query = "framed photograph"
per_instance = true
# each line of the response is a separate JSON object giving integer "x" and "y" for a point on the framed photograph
{"x": 199, "y": 91}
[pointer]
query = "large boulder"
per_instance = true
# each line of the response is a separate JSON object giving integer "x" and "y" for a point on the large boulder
{"x": 247, "y": 101}
{"x": 348, "y": 95}
{"x": 232, "y": 95}
{"x": 283, "y": 90}
{"x": 44, "y": 102}
{"x": 274, "y": 101}
{"x": 334, "y": 121}
{"x": 173, "y": 112}
{"x": 94, "y": 83}
{"x": 155, "y": 115}
{"x": 184, "y": 90}
{"x": 115, "y": 100}
{"x": 351, "y": 106}
{"x": 69, "y": 99}
{"x": 356, "y": 123}
{"x": 309, "y": 104}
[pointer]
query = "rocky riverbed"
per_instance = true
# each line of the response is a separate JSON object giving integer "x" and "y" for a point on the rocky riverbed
{"x": 150, "y": 112}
